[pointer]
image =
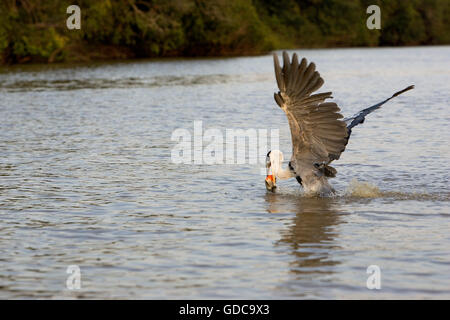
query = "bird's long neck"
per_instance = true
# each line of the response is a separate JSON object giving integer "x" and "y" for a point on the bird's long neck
{"x": 282, "y": 173}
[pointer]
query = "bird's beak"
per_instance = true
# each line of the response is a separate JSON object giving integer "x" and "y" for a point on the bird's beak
{"x": 270, "y": 178}
{"x": 271, "y": 182}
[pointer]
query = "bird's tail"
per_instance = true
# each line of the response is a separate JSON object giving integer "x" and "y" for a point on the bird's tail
{"x": 360, "y": 116}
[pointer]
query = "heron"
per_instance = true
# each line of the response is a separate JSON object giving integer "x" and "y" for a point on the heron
{"x": 319, "y": 132}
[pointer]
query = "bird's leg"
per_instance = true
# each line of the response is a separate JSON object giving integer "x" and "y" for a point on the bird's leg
{"x": 320, "y": 168}
{"x": 320, "y": 165}
{"x": 324, "y": 169}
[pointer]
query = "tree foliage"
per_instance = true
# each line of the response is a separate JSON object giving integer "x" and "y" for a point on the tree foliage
{"x": 35, "y": 30}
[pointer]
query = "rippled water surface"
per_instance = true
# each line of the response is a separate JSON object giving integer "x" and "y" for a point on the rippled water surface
{"x": 86, "y": 179}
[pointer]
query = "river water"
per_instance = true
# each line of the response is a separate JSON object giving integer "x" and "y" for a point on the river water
{"x": 87, "y": 180}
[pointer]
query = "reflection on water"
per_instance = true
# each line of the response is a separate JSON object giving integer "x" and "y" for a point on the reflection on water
{"x": 86, "y": 179}
{"x": 311, "y": 234}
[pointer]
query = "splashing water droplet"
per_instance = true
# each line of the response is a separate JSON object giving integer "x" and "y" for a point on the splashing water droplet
{"x": 363, "y": 189}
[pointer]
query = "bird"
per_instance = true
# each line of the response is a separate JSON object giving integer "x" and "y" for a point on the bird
{"x": 319, "y": 132}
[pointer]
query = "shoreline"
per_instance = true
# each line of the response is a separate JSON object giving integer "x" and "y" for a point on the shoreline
{"x": 114, "y": 58}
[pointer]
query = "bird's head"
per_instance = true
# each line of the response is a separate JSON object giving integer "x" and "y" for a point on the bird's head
{"x": 274, "y": 159}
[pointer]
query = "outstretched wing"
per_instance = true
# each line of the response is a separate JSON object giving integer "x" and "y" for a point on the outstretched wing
{"x": 317, "y": 131}
{"x": 361, "y": 115}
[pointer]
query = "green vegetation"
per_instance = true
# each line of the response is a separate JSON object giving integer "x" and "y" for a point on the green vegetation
{"x": 35, "y": 30}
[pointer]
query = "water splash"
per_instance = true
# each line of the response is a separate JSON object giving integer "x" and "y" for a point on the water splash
{"x": 363, "y": 189}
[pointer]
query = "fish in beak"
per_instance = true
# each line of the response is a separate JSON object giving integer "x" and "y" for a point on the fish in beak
{"x": 270, "y": 183}
{"x": 270, "y": 178}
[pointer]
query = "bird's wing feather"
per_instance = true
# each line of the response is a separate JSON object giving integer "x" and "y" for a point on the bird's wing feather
{"x": 361, "y": 115}
{"x": 317, "y": 131}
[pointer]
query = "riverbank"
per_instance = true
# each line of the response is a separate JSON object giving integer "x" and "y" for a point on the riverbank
{"x": 35, "y": 31}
